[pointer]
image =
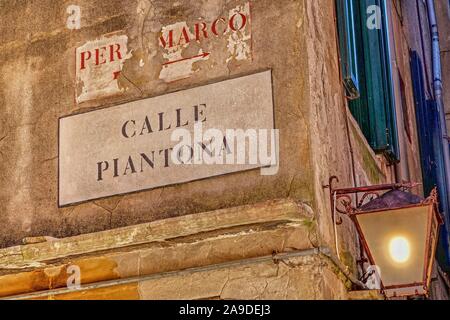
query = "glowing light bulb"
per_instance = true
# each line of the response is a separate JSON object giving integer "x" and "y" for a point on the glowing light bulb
{"x": 399, "y": 249}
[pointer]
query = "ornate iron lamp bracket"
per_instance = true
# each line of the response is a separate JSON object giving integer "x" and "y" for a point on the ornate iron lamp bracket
{"x": 346, "y": 199}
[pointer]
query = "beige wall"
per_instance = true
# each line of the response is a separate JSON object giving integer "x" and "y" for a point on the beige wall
{"x": 251, "y": 252}
{"x": 338, "y": 145}
{"x": 38, "y": 87}
{"x": 318, "y": 136}
{"x": 409, "y": 168}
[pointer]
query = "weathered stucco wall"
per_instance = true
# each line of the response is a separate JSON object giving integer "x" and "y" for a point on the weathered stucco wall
{"x": 338, "y": 145}
{"x": 265, "y": 251}
{"x": 39, "y": 85}
{"x": 409, "y": 168}
{"x": 41, "y": 81}
{"x": 329, "y": 135}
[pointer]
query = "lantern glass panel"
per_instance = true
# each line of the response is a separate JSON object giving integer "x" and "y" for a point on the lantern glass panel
{"x": 397, "y": 241}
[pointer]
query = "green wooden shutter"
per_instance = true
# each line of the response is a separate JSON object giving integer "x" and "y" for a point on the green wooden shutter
{"x": 347, "y": 46}
{"x": 359, "y": 107}
{"x": 375, "y": 109}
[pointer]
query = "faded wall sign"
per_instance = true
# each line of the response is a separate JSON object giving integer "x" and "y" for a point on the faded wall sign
{"x": 98, "y": 66}
{"x": 154, "y": 142}
{"x": 178, "y": 39}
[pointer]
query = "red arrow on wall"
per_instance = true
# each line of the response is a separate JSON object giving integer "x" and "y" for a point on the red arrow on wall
{"x": 203, "y": 55}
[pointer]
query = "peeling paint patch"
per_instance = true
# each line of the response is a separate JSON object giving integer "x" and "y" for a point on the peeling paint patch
{"x": 183, "y": 45}
{"x": 239, "y": 41}
{"x": 176, "y": 66}
{"x": 98, "y": 67}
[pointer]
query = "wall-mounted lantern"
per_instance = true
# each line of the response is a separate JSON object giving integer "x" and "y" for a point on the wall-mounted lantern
{"x": 398, "y": 232}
